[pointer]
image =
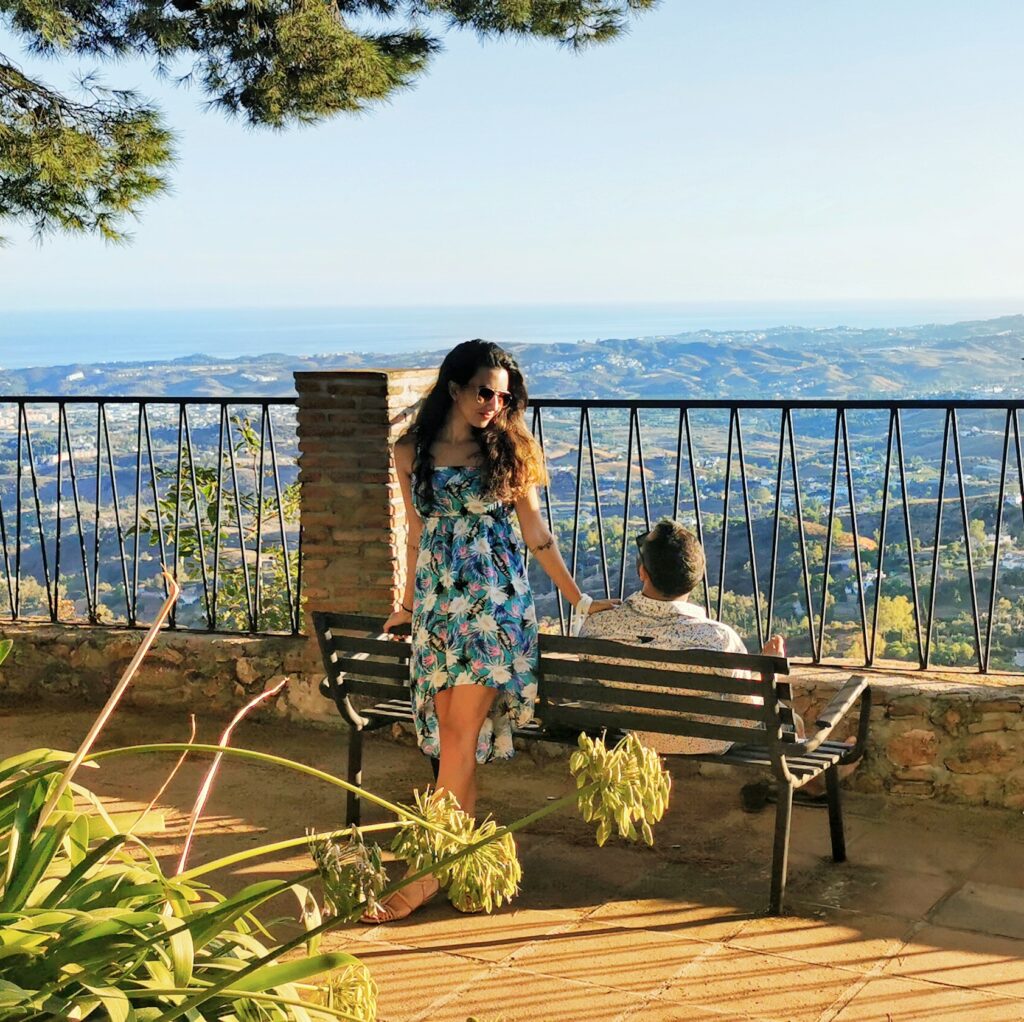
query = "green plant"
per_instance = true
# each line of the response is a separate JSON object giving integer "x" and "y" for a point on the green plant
{"x": 621, "y": 787}
{"x": 482, "y": 879}
{"x": 91, "y": 926}
{"x": 230, "y": 513}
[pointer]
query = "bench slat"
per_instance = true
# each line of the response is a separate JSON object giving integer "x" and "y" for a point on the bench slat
{"x": 757, "y": 662}
{"x": 580, "y": 717}
{"x": 801, "y": 772}
{"x": 371, "y": 668}
{"x": 376, "y": 689}
{"x": 403, "y": 712}
{"x": 330, "y": 621}
{"x": 815, "y": 762}
{"x": 609, "y": 696}
{"x": 690, "y": 681}
{"x": 342, "y": 644}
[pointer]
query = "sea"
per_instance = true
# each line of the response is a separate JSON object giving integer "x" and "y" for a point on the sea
{"x": 96, "y": 336}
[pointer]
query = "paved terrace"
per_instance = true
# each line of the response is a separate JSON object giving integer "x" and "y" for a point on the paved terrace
{"x": 924, "y": 923}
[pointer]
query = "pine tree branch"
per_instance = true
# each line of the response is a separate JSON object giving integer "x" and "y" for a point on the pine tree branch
{"x": 573, "y": 23}
{"x": 77, "y": 167}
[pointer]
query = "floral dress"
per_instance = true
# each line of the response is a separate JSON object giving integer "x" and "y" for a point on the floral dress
{"x": 473, "y": 619}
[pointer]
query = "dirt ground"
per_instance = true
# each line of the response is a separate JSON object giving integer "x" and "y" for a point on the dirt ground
{"x": 924, "y": 923}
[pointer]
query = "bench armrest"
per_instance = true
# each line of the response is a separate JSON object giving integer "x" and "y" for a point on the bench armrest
{"x": 842, "y": 702}
{"x": 352, "y": 717}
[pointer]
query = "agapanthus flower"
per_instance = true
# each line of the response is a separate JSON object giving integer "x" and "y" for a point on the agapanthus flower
{"x": 484, "y": 879}
{"x": 621, "y": 788}
{"x": 352, "y": 873}
{"x": 353, "y": 992}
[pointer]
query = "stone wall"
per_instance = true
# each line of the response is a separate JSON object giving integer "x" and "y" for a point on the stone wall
{"x": 205, "y": 674}
{"x": 954, "y": 740}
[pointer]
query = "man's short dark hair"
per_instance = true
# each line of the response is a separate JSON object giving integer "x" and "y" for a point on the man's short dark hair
{"x": 673, "y": 557}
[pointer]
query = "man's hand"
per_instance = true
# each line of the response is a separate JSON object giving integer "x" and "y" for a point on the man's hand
{"x": 775, "y": 646}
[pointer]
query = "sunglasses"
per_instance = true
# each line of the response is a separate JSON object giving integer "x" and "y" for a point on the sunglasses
{"x": 640, "y": 538}
{"x": 485, "y": 395}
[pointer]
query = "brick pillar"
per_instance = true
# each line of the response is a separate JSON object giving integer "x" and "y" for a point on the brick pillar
{"x": 353, "y": 518}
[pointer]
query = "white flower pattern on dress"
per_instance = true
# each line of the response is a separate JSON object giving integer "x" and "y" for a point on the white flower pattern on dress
{"x": 474, "y": 622}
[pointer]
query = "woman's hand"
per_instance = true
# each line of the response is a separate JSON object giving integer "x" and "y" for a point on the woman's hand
{"x": 600, "y": 605}
{"x": 398, "y": 617}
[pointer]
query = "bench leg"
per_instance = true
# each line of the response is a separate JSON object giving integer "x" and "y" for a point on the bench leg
{"x": 780, "y": 853}
{"x": 355, "y": 776}
{"x": 835, "y": 815}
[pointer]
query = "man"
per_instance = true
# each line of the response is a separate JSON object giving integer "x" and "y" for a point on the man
{"x": 671, "y": 565}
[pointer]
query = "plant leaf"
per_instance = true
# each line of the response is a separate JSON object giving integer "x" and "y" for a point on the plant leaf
{"x": 81, "y": 870}
{"x": 32, "y": 865}
{"x": 114, "y": 1002}
{"x": 209, "y": 924}
{"x": 310, "y": 916}
{"x": 182, "y": 951}
{"x": 296, "y": 971}
{"x": 76, "y": 840}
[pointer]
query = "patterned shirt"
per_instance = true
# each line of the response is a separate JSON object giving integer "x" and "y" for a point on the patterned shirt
{"x": 668, "y": 624}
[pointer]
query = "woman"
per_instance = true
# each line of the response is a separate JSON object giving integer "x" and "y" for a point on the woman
{"x": 465, "y": 464}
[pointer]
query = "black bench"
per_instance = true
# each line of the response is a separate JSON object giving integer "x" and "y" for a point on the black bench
{"x": 602, "y": 695}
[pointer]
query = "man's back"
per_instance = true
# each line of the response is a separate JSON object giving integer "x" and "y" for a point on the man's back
{"x": 667, "y": 624}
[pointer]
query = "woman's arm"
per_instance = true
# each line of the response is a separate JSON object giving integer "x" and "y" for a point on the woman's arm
{"x": 542, "y": 545}
{"x": 403, "y": 454}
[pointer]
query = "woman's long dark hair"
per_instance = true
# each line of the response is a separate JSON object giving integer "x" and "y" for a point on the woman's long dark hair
{"x": 512, "y": 460}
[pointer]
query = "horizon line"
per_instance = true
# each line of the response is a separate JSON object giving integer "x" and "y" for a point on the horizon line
{"x": 563, "y": 304}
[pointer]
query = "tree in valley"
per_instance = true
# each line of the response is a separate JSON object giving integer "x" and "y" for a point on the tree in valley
{"x": 86, "y": 164}
{"x": 896, "y": 618}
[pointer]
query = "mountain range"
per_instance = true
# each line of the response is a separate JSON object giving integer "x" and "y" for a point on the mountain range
{"x": 970, "y": 359}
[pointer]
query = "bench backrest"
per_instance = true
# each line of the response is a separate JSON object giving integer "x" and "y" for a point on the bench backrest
{"x": 588, "y": 683}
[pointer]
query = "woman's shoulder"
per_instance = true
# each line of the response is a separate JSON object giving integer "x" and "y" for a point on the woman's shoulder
{"x": 404, "y": 452}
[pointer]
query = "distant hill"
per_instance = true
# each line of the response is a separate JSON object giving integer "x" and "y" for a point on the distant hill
{"x": 971, "y": 359}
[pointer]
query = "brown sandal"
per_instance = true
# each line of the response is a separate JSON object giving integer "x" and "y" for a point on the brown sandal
{"x": 403, "y": 902}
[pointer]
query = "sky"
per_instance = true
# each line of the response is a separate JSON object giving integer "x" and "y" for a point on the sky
{"x": 792, "y": 151}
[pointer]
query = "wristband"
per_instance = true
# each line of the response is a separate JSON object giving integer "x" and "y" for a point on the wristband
{"x": 408, "y": 610}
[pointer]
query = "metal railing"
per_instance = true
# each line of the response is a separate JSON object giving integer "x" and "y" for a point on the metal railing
{"x": 96, "y": 494}
{"x": 766, "y": 469}
{"x": 826, "y": 521}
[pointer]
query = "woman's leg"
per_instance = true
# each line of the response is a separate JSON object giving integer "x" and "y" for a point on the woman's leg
{"x": 461, "y": 712}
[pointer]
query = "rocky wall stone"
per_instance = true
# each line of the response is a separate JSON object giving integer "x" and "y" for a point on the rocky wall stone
{"x": 921, "y": 742}
{"x": 211, "y": 674}
{"x": 933, "y": 739}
